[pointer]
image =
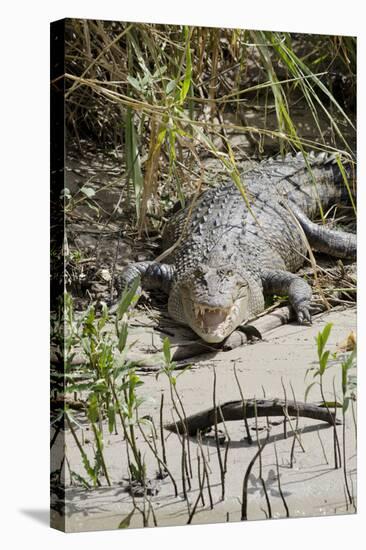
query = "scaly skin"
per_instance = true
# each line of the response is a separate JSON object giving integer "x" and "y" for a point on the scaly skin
{"x": 230, "y": 256}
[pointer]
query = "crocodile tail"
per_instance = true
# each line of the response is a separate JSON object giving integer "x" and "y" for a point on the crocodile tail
{"x": 316, "y": 179}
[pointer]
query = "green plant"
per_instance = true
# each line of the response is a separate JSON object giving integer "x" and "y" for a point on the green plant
{"x": 109, "y": 381}
{"x": 327, "y": 360}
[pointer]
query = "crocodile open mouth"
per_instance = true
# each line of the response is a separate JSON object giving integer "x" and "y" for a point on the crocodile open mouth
{"x": 210, "y": 318}
{"x": 215, "y": 323}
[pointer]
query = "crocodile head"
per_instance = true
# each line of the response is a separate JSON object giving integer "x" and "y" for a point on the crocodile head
{"x": 213, "y": 301}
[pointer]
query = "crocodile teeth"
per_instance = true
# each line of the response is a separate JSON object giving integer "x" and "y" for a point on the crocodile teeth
{"x": 210, "y": 318}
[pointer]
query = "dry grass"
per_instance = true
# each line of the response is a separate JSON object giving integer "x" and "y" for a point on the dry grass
{"x": 167, "y": 95}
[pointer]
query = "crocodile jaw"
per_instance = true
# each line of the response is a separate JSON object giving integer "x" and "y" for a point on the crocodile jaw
{"x": 214, "y": 324}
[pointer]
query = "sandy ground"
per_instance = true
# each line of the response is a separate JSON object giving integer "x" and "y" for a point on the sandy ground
{"x": 310, "y": 487}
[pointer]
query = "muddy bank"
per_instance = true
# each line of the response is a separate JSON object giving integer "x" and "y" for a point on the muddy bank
{"x": 309, "y": 483}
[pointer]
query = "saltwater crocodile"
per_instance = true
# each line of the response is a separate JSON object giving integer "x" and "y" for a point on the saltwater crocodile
{"x": 231, "y": 250}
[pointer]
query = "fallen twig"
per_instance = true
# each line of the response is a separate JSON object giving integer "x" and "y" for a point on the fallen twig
{"x": 233, "y": 410}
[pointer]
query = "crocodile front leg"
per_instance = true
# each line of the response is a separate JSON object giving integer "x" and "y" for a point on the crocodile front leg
{"x": 285, "y": 283}
{"x": 152, "y": 275}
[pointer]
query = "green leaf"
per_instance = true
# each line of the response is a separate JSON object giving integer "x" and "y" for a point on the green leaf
{"x": 171, "y": 86}
{"x": 127, "y": 297}
{"x": 330, "y": 404}
{"x": 134, "y": 82}
{"x": 100, "y": 386}
{"x": 89, "y": 469}
{"x": 88, "y": 326}
{"x": 118, "y": 370}
{"x": 136, "y": 474}
{"x": 188, "y": 74}
{"x": 166, "y": 350}
{"x": 346, "y": 401}
{"x": 346, "y": 183}
{"x": 93, "y": 413}
{"x": 308, "y": 390}
{"x": 323, "y": 362}
{"x": 125, "y": 523}
{"x": 133, "y": 160}
{"x": 322, "y": 339}
{"x": 123, "y": 332}
{"x": 182, "y": 371}
{"x": 326, "y": 332}
{"x": 159, "y": 72}
{"x": 352, "y": 381}
{"x": 72, "y": 419}
{"x": 104, "y": 318}
{"x": 81, "y": 480}
{"x": 81, "y": 386}
{"x": 139, "y": 400}
{"x": 350, "y": 360}
{"x": 111, "y": 418}
{"x": 172, "y": 153}
{"x": 161, "y": 137}
{"x": 185, "y": 88}
{"x": 319, "y": 341}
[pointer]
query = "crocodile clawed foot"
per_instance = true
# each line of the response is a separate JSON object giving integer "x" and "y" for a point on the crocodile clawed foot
{"x": 303, "y": 314}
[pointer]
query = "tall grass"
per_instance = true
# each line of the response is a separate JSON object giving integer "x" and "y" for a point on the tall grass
{"x": 162, "y": 92}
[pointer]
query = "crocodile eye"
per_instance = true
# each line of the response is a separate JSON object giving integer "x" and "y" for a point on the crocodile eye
{"x": 225, "y": 273}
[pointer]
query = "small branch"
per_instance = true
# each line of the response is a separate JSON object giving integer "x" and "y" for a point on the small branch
{"x": 160, "y": 461}
{"x": 216, "y": 411}
{"x": 233, "y": 410}
{"x": 162, "y": 441}
{"x": 279, "y": 483}
{"x": 269, "y": 514}
{"x": 205, "y": 470}
{"x": 323, "y": 449}
{"x": 249, "y": 437}
{"x": 285, "y": 410}
{"x": 200, "y": 495}
{"x": 244, "y": 505}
